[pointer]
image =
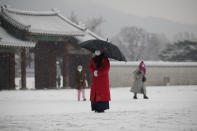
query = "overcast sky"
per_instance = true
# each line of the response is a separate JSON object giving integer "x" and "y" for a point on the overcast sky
{"x": 182, "y": 11}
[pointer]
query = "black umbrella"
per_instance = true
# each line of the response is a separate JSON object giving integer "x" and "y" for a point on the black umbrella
{"x": 110, "y": 50}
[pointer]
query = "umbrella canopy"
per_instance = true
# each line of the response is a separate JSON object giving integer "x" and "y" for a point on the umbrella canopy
{"x": 110, "y": 50}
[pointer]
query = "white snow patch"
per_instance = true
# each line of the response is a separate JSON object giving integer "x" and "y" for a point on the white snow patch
{"x": 171, "y": 108}
{"x": 152, "y": 63}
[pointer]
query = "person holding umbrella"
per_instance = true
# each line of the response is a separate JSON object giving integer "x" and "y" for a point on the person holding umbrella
{"x": 99, "y": 68}
{"x": 100, "y": 92}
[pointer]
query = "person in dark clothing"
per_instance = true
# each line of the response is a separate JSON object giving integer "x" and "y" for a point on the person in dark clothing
{"x": 80, "y": 78}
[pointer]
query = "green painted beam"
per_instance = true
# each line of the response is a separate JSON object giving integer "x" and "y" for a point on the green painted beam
{"x": 7, "y": 49}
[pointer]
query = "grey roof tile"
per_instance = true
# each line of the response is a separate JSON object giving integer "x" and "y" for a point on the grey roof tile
{"x": 8, "y": 40}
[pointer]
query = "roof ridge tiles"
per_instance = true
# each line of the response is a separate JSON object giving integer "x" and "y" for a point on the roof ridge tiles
{"x": 26, "y": 12}
{"x": 82, "y": 30}
{"x": 17, "y": 44}
{"x": 70, "y": 22}
{"x": 5, "y": 10}
{"x": 8, "y": 39}
{"x": 13, "y": 21}
{"x": 37, "y": 31}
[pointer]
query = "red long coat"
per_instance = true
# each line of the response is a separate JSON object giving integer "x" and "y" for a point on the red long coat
{"x": 100, "y": 84}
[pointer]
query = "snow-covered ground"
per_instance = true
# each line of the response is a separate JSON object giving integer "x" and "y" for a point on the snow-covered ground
{"x": 172, "y": 108}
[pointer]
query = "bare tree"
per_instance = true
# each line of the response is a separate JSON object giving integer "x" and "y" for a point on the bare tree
{"x": 94, "y": 23}
{"x": 137, "y": 43}
{"x": 74, "y": 18}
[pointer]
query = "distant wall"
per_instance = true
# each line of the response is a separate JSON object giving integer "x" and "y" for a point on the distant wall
{"x": 158, "y": 73}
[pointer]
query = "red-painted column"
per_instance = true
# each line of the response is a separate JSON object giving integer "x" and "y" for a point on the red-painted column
{"x": 2, "y": 78}
{"x": 66, "y": 66}
{"x": 45, "y": 65}
{"x": 4, "y": 71}
{"x": 7, "y": 71}
{"x": 23, "y": 68}
{"x": 52, "y": 65}
{"x": 12, "y": 71}
{"x": 41, "y": 71}
{"x": 36, "y": 66}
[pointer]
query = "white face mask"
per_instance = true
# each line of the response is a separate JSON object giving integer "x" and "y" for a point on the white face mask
{"x": 79, "y": 70}
{"x": 97, "y": 52}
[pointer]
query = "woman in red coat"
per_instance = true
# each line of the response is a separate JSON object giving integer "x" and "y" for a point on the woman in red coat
{"x": 100, "y": 92}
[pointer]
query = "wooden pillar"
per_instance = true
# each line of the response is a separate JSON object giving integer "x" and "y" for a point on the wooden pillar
{"x": 23, "y": 68}
{"x": 52, "y": 66}
{"x": 66, "y": 66}
{"x": 7, "y": 71}
{"x": 40, "y": 66}
{"x": 3, "y": 71}
{"x": 11, "y": 71}
{"x": 36, "y": 66}
{"x": 45, "y": 65}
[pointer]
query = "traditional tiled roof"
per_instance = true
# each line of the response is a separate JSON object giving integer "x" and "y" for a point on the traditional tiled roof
{"x": 6, "y": 40}
{"x": 46, "y": 23}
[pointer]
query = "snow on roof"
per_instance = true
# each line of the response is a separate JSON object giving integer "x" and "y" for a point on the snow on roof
{"x": 47, "y": 23}
{"x": 89, "y": 35}
{"x": 7, "y": 40}
{"x": 52, "y": 23}
{"x": 153, "y": 63}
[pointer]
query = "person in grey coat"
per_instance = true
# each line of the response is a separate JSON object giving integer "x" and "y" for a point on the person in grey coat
{"x": 138, "y": 84}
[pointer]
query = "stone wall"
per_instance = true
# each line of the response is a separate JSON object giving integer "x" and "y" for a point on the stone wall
{"x": 158, "y": 73}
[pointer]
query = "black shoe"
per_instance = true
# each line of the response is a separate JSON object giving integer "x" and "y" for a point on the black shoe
{"x": 135, "y": 97}
{"x": 145, "y": 97}
{"x": 100, "y": 111}
{"x": 84, "y": 99}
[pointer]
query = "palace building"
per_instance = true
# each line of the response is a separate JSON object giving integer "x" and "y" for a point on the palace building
{"x": 52, "y": 36}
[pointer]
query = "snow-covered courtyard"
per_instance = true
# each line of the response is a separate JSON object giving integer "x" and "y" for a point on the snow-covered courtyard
{"x": 170, "y": 108}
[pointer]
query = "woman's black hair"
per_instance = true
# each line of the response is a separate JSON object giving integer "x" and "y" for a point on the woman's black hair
{"x": 98, "y": 60}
